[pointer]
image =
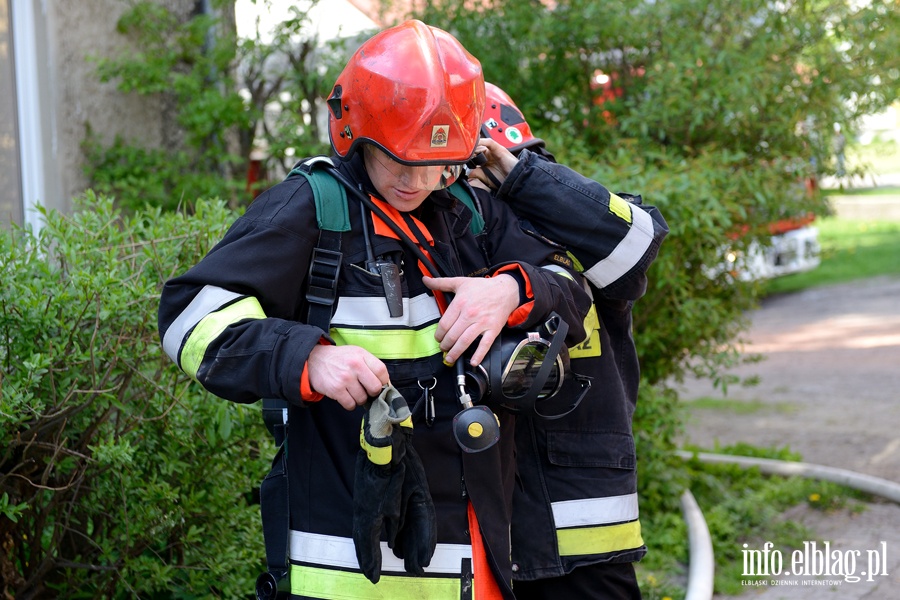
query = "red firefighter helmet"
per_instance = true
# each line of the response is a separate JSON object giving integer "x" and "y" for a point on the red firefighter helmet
{"x": 413, "y": 91}
{"x": 503, "y": 121}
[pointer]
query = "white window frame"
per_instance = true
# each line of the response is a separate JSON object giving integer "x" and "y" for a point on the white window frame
{"x": 23, "y": 23}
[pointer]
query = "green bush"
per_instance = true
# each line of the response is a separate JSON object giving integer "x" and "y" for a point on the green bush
{"x": 119, "y": 477}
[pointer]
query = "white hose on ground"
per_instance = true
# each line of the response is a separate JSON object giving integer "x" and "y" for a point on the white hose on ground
{"x": 701, "y": 564}
{"x": 860, "y": 481}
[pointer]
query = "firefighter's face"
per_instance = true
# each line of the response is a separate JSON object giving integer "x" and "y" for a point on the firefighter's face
{"x": 404, "y": 187}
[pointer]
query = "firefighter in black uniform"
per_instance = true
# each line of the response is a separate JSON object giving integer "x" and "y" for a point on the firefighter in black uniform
{"x": 576, "y": 529}
{"x": 404, "y": 118}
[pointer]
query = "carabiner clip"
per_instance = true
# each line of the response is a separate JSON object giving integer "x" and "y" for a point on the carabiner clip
{"x": 429, "y": 400}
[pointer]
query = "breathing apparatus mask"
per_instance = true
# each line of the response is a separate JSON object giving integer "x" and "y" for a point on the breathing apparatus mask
{"x": 524, "y": 372}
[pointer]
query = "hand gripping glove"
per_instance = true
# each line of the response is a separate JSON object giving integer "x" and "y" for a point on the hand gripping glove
{"x": 382, "y": 496}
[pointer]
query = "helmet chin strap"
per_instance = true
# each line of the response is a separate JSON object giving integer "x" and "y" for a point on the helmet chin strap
{"x": 479, "y": 161}
{"x": 490, "y": 175}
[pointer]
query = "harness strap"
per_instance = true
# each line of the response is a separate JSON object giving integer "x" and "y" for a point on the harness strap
{"x": 332, "y": 217}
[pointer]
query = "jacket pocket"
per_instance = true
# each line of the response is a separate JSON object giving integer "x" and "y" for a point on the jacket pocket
{"x": 591, "y": 449}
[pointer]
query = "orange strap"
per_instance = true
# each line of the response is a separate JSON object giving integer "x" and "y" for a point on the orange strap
{"x": 520, "y": 315}
{"x": 485, "y": 585}
{"x": 381, "y": 228}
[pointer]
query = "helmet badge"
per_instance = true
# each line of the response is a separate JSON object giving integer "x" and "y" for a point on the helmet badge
{"x": 513, "y": 134}
{"x": 439, "y": 136}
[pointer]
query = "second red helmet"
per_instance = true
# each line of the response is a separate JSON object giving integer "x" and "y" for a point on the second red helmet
{"x": 413, "y": 91}
{"x": 504, "y": 123}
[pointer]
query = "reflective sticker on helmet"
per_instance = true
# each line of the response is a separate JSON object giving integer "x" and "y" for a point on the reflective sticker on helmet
{"x": 490, "y": 123}
{"x": 439, "y": 136}
{"x": 513, "y": 135}
{"x": 348, "y": 132}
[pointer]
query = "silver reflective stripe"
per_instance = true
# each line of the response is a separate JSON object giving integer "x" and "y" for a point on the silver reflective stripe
{"x": 595, "y": 511}
{"x": 559, "y": 271}
{"x": 209, "y": 299}
{"x": 627, "y": 253}
{"x": 373, "y": 311}
{"x": 333, "y": 551}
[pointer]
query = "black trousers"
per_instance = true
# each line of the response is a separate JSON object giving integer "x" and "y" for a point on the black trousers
{"x": 603, "y": 581}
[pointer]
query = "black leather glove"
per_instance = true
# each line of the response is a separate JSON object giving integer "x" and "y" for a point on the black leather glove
{"x": 417, "y": 538}
{"x": 382, "y": 496}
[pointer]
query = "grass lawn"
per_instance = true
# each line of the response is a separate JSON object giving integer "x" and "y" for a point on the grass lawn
{"x": 850, "y": 250}
{"x": 888, "y": 190}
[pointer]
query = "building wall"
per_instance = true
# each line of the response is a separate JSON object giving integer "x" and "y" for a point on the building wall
{"x": 80, "y": 33}
{"x": 10, "y": 188}
{"x": 60, "y": 94}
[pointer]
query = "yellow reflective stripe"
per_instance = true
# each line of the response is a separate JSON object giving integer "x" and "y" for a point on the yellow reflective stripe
{"x": 379, "y": 455}
{"x": 598, "y": 540}
{"x": 211, "y": 326}
{"x": 620, "y": 207}
{"x": 591, "y": 344}
{"x": 390, "y": 343}
{"x": 579, "y": 268}
{"x": 209, "y": 299}
{"x": 315, "y": 582}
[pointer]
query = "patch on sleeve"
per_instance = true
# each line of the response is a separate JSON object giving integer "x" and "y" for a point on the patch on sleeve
{"x": 563, "y": 260}
{"x": 620, "y": 207}
{"x": 591, "y": 344}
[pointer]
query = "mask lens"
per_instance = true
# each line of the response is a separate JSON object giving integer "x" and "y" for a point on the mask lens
{"x": 523, "y": 368}
{"x": 425, "y": 177}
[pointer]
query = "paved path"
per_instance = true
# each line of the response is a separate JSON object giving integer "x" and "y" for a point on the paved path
{"x": 830, "y": 390}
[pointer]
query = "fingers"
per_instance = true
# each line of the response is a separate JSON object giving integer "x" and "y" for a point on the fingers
{"x": 484, "y": 346}
{"x": 443, "y": 284}
{"x": 348, "y": 375}
{"x": 458, "y": 339}
{"x": 480, "y": 307}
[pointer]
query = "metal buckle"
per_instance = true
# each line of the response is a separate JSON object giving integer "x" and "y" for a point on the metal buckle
{"x": 323, "y": 276}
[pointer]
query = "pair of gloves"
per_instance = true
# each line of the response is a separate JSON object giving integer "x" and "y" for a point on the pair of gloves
{"x": 390, "y": 490}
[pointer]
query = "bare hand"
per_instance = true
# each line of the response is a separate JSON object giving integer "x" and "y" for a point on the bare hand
{"x": 480, "y": 306}
{"x": 348, "y": 375}
{"x": 500, "y": 162}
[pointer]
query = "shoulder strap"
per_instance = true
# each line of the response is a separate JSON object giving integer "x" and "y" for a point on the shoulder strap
{"x": 465, "y": 194}
{"x": 332, "y": 217}
{"x": 332, "y": 212}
